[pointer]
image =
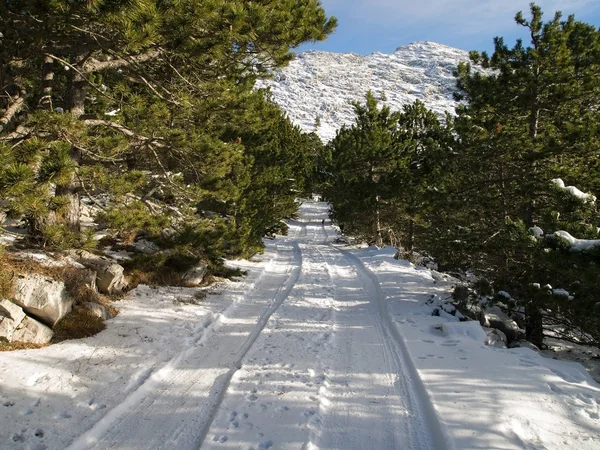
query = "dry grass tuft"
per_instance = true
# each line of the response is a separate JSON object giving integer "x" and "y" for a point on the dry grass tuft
{"x": 79, "y": 323}
{"x": 6, "y": 346}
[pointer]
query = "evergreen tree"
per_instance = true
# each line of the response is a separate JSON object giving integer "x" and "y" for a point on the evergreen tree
{"x": 131, "y": 101}
{"x": 363, "y": 157}
{"x": 527, "y": 120}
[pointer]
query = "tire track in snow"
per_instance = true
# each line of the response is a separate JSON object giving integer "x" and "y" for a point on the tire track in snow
{"x": 280, "y": 296}
{"x": 425, "y": 419}
{"x": 191, "y": 385}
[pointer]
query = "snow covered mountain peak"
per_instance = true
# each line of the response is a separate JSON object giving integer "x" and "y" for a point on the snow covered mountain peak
{"x": 323, "y": 84}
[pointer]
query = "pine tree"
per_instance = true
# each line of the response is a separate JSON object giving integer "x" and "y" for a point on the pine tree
{"x": 130, "y": 100}
{"x": 528, "y": 120}
{"x": 363, "y": 157}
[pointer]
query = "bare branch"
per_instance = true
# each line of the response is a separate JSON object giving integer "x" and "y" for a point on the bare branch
{"x": 11, "y": 112}
{"x": 93, "y": 65}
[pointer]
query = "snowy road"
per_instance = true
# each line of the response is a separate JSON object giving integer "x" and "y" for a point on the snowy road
{"x": 316, "y": 348}
{"x": 306, "y": 359}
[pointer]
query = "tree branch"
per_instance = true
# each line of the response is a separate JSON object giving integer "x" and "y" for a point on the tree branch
{"x": 93, "y": 65}
{"x": 11, "y": 112}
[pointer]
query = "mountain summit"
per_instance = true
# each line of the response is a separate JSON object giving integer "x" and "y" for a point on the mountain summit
{"x": 322, "y": 84}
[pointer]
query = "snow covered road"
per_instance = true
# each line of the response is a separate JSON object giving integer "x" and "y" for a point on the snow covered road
{"x": 317, "y": 348}
{"x": 304, "y": 359}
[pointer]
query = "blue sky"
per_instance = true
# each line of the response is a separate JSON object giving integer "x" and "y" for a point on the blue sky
{"x": 366, "y": 26}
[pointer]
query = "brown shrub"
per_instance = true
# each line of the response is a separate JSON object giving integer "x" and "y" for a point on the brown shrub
{"x": 79, "y": 323}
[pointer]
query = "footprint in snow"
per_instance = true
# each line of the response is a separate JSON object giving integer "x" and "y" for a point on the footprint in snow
{"x": 8, "y": 403}
{"x": 527, "y": 363}
{"x": 222, "y": 439}
{"x": 450, "y": 343}
{"x": 63, "y": 415}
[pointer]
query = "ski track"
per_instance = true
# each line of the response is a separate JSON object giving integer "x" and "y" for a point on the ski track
{"x": 305, "y": 356}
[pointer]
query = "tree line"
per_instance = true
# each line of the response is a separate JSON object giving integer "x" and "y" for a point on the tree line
{"x": 477, "y": 190}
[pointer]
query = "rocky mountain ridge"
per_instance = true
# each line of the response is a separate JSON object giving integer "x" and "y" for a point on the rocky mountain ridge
{"x": 322, "y": 84}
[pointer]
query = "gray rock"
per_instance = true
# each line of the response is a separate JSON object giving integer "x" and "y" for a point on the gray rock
{"x": 42, "y": 297}
{"x": 195, "y": 275}
{"x": 144, "y": 246}
{"x": 495, "y": 338}
{"x": 11, "y": 316}
{"x": 109, "y": 274}
{"x": 98, "y": 310}
{"x": 32, "y": 331}
{"x": 496, "y": 318}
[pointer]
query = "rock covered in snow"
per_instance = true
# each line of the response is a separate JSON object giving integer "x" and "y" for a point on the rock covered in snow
{"x": 496, "y": 318}
{"x": 195, "y": 275}
{"x": 523, "y": 343}
{"x": 470, "y": 329}
{"x": 495, "y": 338}
{"x": 42, "y": 297}
{"x": 109, "y": 275}
{"x": 324, "y": 84}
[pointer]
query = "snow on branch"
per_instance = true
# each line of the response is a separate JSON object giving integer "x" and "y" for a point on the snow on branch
{"x": 578, "y": 245}
{"x": 574, "y": 191}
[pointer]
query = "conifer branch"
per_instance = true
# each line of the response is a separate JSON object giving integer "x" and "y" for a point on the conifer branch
{"x": 140, "y": 139}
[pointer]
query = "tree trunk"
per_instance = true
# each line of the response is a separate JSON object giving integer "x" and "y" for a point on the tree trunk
{"x": 534, "y": 330}
{"x": 411, "y": 234}
{"x": 76, "y": 91}
{"x": 378, "y": 223}
{"x": 47, "y": 83}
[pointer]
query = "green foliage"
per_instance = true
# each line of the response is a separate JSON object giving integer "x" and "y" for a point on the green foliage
{"x": 384, "y": 173}
{"x": 147, "y": 108}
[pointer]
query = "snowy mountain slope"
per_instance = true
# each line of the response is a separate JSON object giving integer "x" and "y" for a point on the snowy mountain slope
{"x": 324, "y": 84}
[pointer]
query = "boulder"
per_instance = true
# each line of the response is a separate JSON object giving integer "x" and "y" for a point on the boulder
{"x": 109, "y": 274}
{"x": 195, "y": 275}
{"x": 496, "y": 318}
{"x": 42, "y": 297}
{"x": 495, "y": 338}
{"x": 32, "y": 331}
{"x": 11, "y": 316}
{"x": 98, "y": 310}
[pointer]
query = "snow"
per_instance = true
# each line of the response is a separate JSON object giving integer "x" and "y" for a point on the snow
{"x": 320, "y": 346}
{"x": 325, "y": 84}
{"x": 574, "y": 191}
{"x": 578, "y": 245}
{"x": 536, "y": 231}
